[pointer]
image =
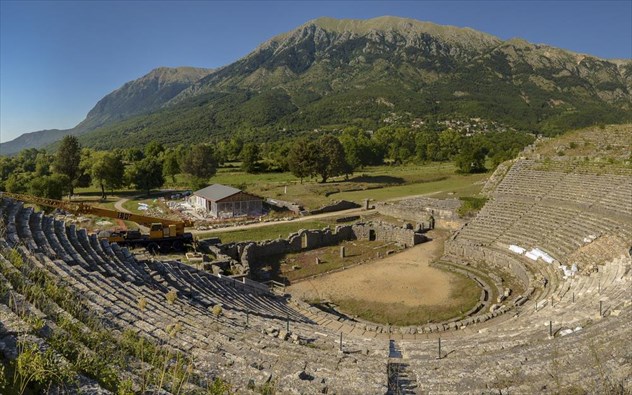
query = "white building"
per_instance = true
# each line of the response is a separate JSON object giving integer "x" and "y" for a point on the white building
{"x": 222, "y": 201}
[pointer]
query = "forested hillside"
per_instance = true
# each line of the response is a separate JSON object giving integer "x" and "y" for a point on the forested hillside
{"x": 329, "y": 74}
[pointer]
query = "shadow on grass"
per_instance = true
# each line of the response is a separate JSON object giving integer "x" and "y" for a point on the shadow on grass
{"x": 377, "y": 180}
{"x": 90, "y": 195}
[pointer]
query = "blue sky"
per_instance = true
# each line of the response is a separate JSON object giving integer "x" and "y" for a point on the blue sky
{"x": 57, "y": 59}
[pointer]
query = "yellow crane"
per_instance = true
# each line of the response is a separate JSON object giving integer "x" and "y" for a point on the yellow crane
{"x": 164, "y": 234}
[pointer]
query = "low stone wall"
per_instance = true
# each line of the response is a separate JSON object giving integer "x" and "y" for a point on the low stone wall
{"x": 247, "y": 253}
{"x": 423, "y": 211}
{"x": 493, "y": 257}
{"x": 387, "y": 233}
{"x": 337, "y": 206}
{"x": 295, "y": 208}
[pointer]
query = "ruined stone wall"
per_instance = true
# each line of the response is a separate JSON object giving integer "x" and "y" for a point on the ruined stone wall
{"x": 420, "y": 210}
{"x": 295, "y": 208}
{"x": 387, "y": 233}
{"x": 247, "y": 253}
{"x": 417, "y": 215}
{"x": 337, "y": 206}
{"x": 504, "y": 261}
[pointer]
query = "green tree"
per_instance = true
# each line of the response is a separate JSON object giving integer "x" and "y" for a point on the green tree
{"x": 278, "y": 153}
{"x": 221, "y": 151}
{"x": 426, "y": 146}
{"x": 85, "y": 168}
{"x": 17, "y": 183}
{"x": 360, "y": 149}
{"x": 200, "y": 161}
{"x": 449, "y": 143}
{"x": 250, "y": 156}
{"x": 7, "y": 167}
{"x": 146, "y": 174}
{"x": 471, "y": 159}
{"x": 42, "y": 164}
{"x": 234, "y": 147}
{"x": 51, "y": 187}
{"x": 170, "y": 165}
{"x": 302, "y": 159}
{"x": 68, "y": 159}
{"x": 330, "y": 156}
{"x": 154, "y": 149}
{"x": 107, "y": 172}
{"x": 133, "y": 155}
{"x": 27, "y": 159}
{"x": 397, "y": 142}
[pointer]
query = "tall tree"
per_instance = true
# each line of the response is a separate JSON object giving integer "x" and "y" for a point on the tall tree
{"x": 170, "y": 165}
{"x": 42, "y": 164}
{"x": 331, "y": 158}
{"x": 234, "y": 148}
{"x": 107, "y": 172}
{"x": 68, "y": 159}
{"x": 302, "y": 159}
{"x": 450, "y": 143}
{"x": 51, "y": 187}
{"x": 471, "y": 158}
{"x": 200, "y": 162}
{"x": 27, "y": 159}
{"x": 360, "y": 150}
{"x": 154, "y": 149}
{"x": 250, "y": 157}
{"x": 146, "y": 174}
{"x": 133, "y": 155}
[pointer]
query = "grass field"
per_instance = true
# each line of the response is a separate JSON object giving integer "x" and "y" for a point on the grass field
{"x": 375, "y": 182}
{"x": 269, "y": 232}
{"x": 464, "y": 296}
{"x": 459, "y": 185}
{"x": 357, "y": 251}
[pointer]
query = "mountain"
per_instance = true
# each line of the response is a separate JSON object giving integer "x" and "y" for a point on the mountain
{"x": 37, "y": 139}
{"x": 143, "y": 95}
{"x": 330, "y": 72}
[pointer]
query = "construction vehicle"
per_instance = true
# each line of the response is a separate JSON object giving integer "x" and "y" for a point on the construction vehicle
{"x": 165, "y": 235}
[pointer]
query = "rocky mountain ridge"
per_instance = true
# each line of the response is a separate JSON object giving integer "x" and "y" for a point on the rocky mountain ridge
{"x": 145, "y": 94}
{"x": 333, "y": 72}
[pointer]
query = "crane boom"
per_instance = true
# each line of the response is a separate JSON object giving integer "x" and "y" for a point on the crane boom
{"x": 83, "y": 208}
{"x": 164, "y": 234}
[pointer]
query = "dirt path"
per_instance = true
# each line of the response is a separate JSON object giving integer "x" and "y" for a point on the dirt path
{"x": 119, "y": 205}
{"x": 404, "y": 278}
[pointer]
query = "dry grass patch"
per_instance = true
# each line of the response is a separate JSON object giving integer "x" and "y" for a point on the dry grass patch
{"x": 356, "y": 252}
{"x": 401, "y": 289}
{"x": 463, "y": 297}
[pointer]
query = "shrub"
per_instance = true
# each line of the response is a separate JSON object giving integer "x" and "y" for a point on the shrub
{"x": 125, "y": 387}
{"x": 218, "y": 387}
{"x": 173, "y": 329}
{"x": 43, "y": 368}
{"x": 142, "y": 303}
{"x": 471, "y": 205}
{"x": 217, "y": 310}
{"x": 171, "y": 296}
{"x": 3, "y": 377}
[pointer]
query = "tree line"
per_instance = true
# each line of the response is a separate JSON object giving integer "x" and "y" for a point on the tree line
{"x": 313, "y": 155}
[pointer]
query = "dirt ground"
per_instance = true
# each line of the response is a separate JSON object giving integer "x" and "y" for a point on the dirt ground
{"x": 404, "y": 278}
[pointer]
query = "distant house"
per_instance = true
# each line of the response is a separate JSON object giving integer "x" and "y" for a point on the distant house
{"x": 222, "y": 201}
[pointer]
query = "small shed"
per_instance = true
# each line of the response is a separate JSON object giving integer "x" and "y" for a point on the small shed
{"x": 222, "y": 201}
